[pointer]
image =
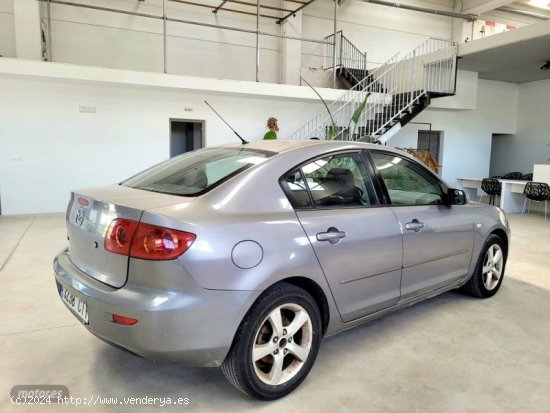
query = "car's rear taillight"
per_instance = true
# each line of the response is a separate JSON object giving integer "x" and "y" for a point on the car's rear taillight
{"x": 158, "y": 243}
{"x": 146, "y": 241}
{"x": 119, "y": 236}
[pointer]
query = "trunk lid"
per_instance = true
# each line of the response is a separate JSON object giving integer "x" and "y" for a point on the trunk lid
{"x": 89, "y": 215}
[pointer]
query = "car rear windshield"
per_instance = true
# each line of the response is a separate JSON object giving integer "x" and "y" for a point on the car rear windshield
{"x": 197, "y": 172}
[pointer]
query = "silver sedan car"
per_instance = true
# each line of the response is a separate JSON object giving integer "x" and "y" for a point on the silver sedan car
{"x": 245, "y": 256}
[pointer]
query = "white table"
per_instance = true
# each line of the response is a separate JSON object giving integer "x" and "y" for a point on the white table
{"x": 471, "y": 186}
{"x": 511, "y": 198}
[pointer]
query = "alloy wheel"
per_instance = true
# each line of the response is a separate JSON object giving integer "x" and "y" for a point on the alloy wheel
{"x": 492, "y": 266}
{"x": 282, "y": 344}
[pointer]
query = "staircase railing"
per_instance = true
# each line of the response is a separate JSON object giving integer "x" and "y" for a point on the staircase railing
{"x": 395, "y": 87}
{"x": 347, "y": 55}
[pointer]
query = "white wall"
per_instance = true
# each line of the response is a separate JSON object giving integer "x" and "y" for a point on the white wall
{"x": 509, "y": 18}
{"x": 463, "y": 29}
{"x": 466, "y": 93}
{"x": 531, "y": 144}
{"x": 7, "y": 31}
{"x": 467, "y": 133}
{"x": 92, "y": 37}
{"x": 48, "y": 147}
{"x": 378, "y": 30}
{"x": 99, "y": 38}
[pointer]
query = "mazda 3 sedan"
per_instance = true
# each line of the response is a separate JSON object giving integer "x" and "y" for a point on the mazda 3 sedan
{"x": 245, "y": 256}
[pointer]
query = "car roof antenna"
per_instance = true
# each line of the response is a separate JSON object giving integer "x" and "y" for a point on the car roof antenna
{"x": 229, "y": 126}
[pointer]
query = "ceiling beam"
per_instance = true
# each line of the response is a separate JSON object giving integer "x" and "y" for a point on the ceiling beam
{"x": 262, "y": 6}
{"x": 219, "y": 7}
{"x": 393, "y": 3}
{"x": 483, "y": 6}
{"x": 215, "y": 9}
{"x": 293, "y": 13}
{"x": 522, "y": 12}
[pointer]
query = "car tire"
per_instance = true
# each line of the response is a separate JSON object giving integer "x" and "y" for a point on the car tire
{"x": 276, "y": 344}
{"x": 489, "y": 271}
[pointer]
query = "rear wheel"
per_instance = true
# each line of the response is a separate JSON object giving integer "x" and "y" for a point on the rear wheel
{"x": 489, "y": 271}
{"x": 276, "y": 344}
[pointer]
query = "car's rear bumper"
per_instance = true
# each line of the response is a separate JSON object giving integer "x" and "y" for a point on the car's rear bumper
{"x": 188, "y": 324}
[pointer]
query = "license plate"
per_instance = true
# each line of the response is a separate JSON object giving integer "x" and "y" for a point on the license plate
{"x": 76, "y": 305}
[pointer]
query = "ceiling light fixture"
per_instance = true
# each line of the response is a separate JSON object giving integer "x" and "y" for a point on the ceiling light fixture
{"x": 545, "y": 66}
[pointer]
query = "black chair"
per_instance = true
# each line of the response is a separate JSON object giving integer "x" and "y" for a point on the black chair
{"x": 527, "y": 177}
{"x": 491, "y": 187}
{"x": 514, "y": 176}
{"x": 538, "y": 192}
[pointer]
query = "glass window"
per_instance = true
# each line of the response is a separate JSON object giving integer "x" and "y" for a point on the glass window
{"x": 297, "y": 186}
{"x": 334, "y": 181}
{"x": 407, "y": 182}
{"x": 196, "y": 172}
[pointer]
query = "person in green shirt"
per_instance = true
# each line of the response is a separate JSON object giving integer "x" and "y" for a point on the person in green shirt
{"x": 273, "y": 129}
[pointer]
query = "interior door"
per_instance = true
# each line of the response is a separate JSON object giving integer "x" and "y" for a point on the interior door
{"x": 437, "y": 238}
{"x": 357, "y": 242}
{"x": 185, "y": 136}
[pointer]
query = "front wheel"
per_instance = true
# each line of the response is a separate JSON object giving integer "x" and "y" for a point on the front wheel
{"x": 276, "y": 344}
{"x": 489, "y": 271}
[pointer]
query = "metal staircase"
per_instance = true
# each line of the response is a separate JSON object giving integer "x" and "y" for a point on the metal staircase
{"x": 350, "y": 62}
{"x": 399, "y": 90}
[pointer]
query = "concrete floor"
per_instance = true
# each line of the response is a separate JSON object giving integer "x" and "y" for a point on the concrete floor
{"x": 450, "y": 354}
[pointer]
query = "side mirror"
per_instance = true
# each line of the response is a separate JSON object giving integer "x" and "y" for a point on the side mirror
{"x": 456, "y": 197}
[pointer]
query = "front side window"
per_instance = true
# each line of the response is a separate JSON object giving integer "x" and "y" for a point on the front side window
{"x": 334, "y": 181}
{"x": 196, "y": 172}
{"x": 407, "y": 182}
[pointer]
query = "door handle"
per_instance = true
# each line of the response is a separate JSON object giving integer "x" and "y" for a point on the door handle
{"x": 415, "y": 225}
{"x": 333, "y": 235}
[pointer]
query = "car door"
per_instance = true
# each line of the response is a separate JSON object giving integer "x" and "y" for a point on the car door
{"x": 357, "y": 242}
{"x": 437, "y": 238}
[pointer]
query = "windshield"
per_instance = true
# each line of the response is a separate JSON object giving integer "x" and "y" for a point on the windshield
{"x": 197, "y": 172}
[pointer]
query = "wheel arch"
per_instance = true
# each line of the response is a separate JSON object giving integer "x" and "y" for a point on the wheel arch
{"x": 313, "y": 289}
{"x": 238, "y": 365}
{"x": 503, "y": 236}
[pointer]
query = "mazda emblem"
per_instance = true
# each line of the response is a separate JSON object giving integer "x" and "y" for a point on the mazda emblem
{"x": 79, "y": 219}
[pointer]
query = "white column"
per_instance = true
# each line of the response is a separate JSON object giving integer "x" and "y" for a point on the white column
{"x": 291, "y": 53}
{"x": 28, "y": 44}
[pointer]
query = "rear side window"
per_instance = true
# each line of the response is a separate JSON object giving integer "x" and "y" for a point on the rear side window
{"x": 335, "y": 181}
{"x": 197, "y": 172}
{"x": 407, "y": 182}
